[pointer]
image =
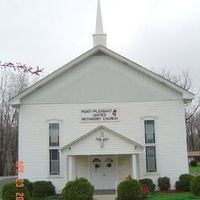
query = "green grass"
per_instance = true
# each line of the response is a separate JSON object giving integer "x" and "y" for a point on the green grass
{"x": 173, "y": 196}
{"x": 47, "y": 198}
{"x": 195, "y": 170}
{"x": 155, "y": 196}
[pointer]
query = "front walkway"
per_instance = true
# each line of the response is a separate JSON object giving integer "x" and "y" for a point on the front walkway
{"x": 104, "y": 197}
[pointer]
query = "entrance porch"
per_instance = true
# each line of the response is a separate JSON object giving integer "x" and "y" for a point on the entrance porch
{"x": 102, "y": 156}
{"x": 103, "y": 171}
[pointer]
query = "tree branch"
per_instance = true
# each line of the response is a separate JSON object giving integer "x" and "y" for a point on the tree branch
{"x": 22, "y": 67}
{"x": 188, "y": 118}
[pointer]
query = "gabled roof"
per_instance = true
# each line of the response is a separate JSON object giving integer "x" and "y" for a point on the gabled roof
{"x": 101, "y": 127}
{"x": 194, "y": 154}
{"x": 100, "y": 49}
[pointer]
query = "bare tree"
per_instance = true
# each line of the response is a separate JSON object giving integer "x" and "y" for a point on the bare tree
{"x": 14, "y": 78}
{"x": 192, "y": 113}
{"x": 193, "y": 128}
{"x": 11, "y": 83}
{"x": 183, "y": 80}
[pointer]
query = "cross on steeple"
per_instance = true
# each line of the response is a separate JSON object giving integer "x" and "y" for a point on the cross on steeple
{"x": 102, "y": 139}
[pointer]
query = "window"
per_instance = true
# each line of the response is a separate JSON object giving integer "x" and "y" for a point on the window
{"x": 54, "y": 161}
{"x": 53, "y": 134}
{"x": 54, "y": 155}
{"x": 149, "y": 131}
{"x": 151, "y": 158}
{"x": 150, "y": 146}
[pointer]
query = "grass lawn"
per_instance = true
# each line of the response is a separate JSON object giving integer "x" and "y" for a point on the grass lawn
{"x": 155, "y": 196}
{"x": 173, "y": 196}
{"x": 195, "y": 170}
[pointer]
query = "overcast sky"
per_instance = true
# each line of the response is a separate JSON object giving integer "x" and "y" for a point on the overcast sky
{"x": 153, "y": 33}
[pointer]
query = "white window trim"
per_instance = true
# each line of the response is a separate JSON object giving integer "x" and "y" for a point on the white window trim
{"x": 60, "y": 122}
{"x": 59, "y": 164}
{"x": 156, "y": 120}
{"x": 146, "y": 159}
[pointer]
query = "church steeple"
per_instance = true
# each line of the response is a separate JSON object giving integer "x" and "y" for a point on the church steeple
{"x": 99, "y": 21}
{"x": 99, "y": 38}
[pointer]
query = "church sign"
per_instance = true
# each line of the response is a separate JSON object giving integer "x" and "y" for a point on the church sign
{"x": 100, "y": 115}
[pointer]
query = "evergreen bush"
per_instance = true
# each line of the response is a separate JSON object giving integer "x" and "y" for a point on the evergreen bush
{"x": 193, "y": 163}
{"x": 43, "y": 189}
{"x": 129, "y": 189}
{"x": 79, "y": 189}
{"x": 10, "y": 190}
{"x": 164, "y": 183}
{"x": 184, "y": 183}
{"x": 195, "y": 185}
{"x": 149, "y": 183}
{"x": 29, "y": 186}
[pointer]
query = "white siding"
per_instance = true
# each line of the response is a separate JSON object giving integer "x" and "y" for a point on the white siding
{"x": 101, "y": 78}
{"x": 170, "y": 135}
{"x": 89, "y": 145}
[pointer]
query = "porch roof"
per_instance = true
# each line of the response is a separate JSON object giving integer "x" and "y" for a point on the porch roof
{"x": 115, "y": 143}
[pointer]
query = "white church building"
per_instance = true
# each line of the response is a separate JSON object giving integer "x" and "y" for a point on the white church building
{"x": 102, "y": 117}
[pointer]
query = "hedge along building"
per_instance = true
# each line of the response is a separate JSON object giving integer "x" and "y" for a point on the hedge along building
{"x": 102, "y": 117}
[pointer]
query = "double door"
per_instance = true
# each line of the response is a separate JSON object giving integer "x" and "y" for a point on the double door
{"x": 103, "y": 172}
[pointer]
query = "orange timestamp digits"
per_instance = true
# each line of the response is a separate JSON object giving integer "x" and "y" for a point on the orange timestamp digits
{"x": 19, "y": 182}
{"x": 20, "y": 167}
{"x": 19, "y": 196}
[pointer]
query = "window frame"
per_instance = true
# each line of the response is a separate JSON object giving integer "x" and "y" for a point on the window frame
{"x": 145, "y": 132}
{"x": 155, "y": 163}
{"x": 155, "y": 119}
{"x": 49, "y": 174}
{"x": 50, "y": 160}
{"x": 58, "y": 134}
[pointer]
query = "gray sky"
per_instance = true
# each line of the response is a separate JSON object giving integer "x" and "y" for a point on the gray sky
{"x": 153, "y": 33}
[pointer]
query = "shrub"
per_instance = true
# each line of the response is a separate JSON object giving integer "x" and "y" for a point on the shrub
{"x": 10, "y": 190}
{"x": 43, "y": 189}
{"x": 129, "y": 189}
{"x": 184, "y": 183}
{"x": 145, "y": 192}
{"x": 195, "y": 185}
{"x": 197, "y": 159}
{"x": 29, "y": 186}
{"x": 82, "y": 180}
{"x": 164, "y": 183}
{"x": 193, "y": 163}
{"x": 79, "y": 189}
{"x": 149, "y": 183}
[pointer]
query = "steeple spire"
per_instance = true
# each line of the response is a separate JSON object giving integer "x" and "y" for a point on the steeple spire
{"x": 99, "y": 38}
{"x": 99, "y": 22}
